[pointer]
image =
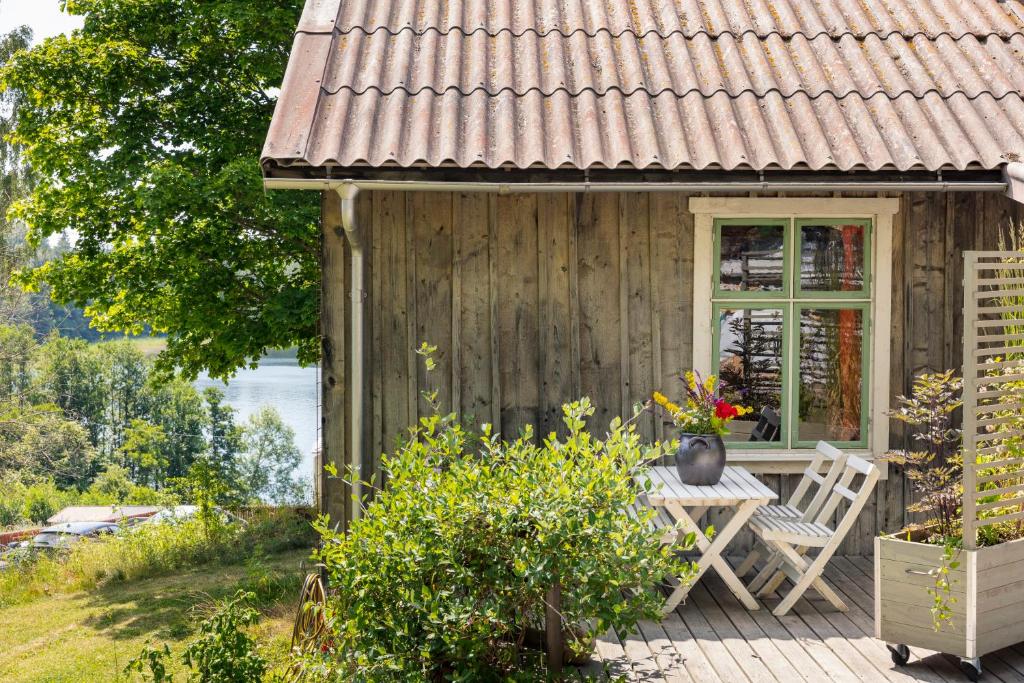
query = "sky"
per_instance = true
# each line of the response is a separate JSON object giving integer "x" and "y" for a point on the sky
{"x": 43, "y": 16}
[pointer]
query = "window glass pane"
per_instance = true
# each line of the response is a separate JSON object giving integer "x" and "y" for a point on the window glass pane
{"x": 751, "y": 258}
{"x": 832, "y": 258}
{"x": 750, "y": 370}
{"x": 831, "y": 386}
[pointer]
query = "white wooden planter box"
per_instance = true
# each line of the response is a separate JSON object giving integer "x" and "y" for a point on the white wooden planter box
{"x": 988, "y": 586}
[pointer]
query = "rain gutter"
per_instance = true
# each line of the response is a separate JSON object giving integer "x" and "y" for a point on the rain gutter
{"x": 357, "y": 341}
{"x": 766, "y": 185}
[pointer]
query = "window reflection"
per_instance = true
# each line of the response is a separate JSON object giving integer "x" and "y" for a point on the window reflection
{"x": 832, "y": 258}
{"x": 750, "y": 370}
{"x": 752, "y": 258}
{"x": 831, "y": 345}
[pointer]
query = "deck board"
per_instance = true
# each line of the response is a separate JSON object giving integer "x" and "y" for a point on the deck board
{"x": 712, "y": 638}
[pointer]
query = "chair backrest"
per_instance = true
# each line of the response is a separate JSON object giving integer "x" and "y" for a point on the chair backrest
{"x": 836, "y": 459}
{"x": 767, "y": 427}
{"x": 843, "y": 489}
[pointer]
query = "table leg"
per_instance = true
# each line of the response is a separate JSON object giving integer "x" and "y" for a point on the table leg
{"x": 711, "y": 553}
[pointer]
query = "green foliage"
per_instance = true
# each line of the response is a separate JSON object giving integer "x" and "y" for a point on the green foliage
{"x": 39, "y": 506}
{"x": 942, "y": 592}
{"x": 222, "y": 653}
{"x": 934, "y": 463}
{"x": 143, "y": 452}
{"x": 448, "y": 568}
{"x": 152, "y": 664}
{"x": 270, "y": 458}
{"x": 150, "y": 550}
{"x": 144, "y": 129}
{"x": 70, "y": 411}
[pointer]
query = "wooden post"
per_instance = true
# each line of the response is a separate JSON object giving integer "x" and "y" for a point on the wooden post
{"x": 553, "y": 629}
{"x": 335, "y": 494}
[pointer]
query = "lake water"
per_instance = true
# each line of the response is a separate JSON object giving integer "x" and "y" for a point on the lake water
{"x": 280, "y": 382}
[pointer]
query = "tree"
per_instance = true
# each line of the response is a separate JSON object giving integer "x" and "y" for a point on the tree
{"x": 177, "y": 408}
{"x": 270, "y": 459}
{"x": 224, "y": 441}
{"x": 15, "y": 182}
{"x": 144, "y": 130}
{"x": 38, "y": 441}
{"x": 143, "y": 453}
{"x": 70, "y": 374}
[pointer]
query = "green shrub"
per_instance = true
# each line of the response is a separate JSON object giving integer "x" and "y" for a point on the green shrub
{"x": 41, "y": 502}
{"x": 222, "y": 653}
{"x": 10, "y": 512}
{"x": 447, "y": 570}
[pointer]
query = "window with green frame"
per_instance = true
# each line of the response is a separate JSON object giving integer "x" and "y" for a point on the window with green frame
{"x": 791, "y": 303}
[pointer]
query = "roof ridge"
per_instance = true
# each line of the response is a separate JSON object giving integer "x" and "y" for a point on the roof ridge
{"x": 711, "y": 93}
{"x": 688, "y": 35}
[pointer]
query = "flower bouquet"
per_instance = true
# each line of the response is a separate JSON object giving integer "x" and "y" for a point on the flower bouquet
{"x": 702, "y": 420}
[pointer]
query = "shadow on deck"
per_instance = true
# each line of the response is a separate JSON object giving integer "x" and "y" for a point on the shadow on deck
{"x": 712, "y": 637}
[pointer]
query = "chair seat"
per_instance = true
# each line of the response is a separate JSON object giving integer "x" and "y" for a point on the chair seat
{"x": 791, "y": 531}
{"x": 782, "y": 511}
{"x": 662, "y": 518}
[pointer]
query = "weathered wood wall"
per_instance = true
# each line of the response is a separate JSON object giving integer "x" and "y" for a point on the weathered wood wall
{"x": 537, "y": 299}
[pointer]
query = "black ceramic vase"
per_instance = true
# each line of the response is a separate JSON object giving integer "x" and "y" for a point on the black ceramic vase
{"x": 700, "y": 459}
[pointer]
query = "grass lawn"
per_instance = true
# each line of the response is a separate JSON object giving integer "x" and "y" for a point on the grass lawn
{"x": 91, "y": 636}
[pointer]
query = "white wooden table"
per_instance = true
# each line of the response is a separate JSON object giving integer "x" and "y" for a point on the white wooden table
{"x": 738, "y": 490}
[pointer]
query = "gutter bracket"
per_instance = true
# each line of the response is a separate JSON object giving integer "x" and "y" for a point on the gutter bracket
{"x": 1013, "y": 174}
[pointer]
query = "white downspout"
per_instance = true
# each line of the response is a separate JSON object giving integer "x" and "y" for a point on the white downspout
{"x": 357, "y": 347}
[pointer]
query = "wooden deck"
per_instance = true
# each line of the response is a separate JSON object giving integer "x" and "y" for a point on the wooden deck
{"x": 712, "y": 637}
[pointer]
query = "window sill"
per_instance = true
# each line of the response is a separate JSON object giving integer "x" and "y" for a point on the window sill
{"x": 765, "y": 461}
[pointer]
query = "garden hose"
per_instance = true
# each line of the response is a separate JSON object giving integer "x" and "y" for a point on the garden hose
{"x": 310, "y": 625}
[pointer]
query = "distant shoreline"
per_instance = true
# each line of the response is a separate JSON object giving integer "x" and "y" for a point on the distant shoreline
{"x": 151, "y": 346}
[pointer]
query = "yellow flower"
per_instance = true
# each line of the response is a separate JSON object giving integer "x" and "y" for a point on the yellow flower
{"x": 660, "y": 398}
{"x": 709, "y": 384}
{"x": 691, "y": 380}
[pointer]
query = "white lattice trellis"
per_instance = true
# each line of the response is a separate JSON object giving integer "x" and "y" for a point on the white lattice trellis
{"x": 993, "y": 392}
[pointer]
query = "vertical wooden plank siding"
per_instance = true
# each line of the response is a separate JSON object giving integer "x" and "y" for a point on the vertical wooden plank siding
{"x": 534, "y": 300}
{"x": 334, "y": 312}
{"x": 600, "y": 305}
{"x": 518, "y": 307}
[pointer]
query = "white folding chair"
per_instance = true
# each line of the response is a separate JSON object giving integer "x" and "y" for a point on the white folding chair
{"x": 797, "y": 507}
{"x": 791, "y": 538}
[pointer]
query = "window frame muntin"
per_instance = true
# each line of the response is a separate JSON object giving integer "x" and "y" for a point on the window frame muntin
{"x": 882, "y": 211}
{"x": 864, "y": 292}
{"x": 717, "y": 307}
{"x": 787, "y": 276}
{"x": 865, "y": 375}
{"x": 790, "y": 301}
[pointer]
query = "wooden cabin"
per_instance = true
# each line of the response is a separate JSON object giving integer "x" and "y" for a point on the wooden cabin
{"x": 587, "y": 197}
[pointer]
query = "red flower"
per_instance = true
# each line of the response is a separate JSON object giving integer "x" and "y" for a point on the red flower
{"x": 725, "y": 410}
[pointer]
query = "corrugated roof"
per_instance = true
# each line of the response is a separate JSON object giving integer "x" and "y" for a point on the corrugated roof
{"x": 694, "y": 84}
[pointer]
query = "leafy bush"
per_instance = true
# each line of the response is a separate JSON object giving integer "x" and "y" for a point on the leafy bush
{"x": 41, "y": 502}
{"x": 222, "y": 653}
{"x": 447, "y": 570}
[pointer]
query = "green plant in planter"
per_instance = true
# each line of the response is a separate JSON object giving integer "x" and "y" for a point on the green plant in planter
{"x": 934, "y": 465}
{"x": 445, "y": 575}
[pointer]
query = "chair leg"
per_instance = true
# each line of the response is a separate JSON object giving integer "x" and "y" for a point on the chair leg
{"x": 765, "y": 574}
{"x": 819, "y": 585}
{"x": 748, "y": 564}
{"x": 810, "y": 575}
